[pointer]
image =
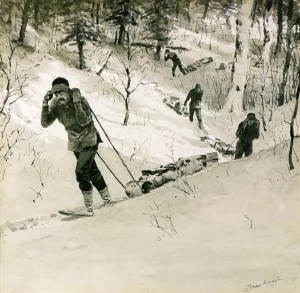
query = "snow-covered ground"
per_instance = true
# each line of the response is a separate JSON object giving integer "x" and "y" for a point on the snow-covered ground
{"x": 237, "y": 230}
{"x": 202, "y": 241}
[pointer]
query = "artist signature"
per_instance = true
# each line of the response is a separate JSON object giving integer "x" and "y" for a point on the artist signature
{"x": 265, "y": 283}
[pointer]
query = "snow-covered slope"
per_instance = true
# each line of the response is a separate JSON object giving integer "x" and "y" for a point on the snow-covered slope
{"x": 155, "y": 135}
{"x": 235, "y": 230}
{"x": 199, "y": 240}
{"x": 41, "y": 165}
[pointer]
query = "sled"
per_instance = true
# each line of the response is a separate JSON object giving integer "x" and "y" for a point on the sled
{"x": 177, "y": 105}
{"x": 154, "y": 178}
{"x": 197, "y": 64}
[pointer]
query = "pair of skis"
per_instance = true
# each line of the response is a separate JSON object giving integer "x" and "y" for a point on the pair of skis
{"x": 83, "y": 211}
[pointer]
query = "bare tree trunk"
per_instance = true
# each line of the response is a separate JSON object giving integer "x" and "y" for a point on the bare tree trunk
{"x": 121, "y": 34}
{"x": 80, "y": 51}
{"x": 266, "y": 31}
{"x": 237, "y": 49}
{"x": 36, "y": 9}
{"x": 10, "y": 9}
{"x": 296, "y": 37}
{"x": 187, "y": 12}
{"x": 263, "y": 78}
{"x": 116, "y": 38}
{"x": 93, "y": 9}
{"x": 104, "y": 65}
{"x": 288, "y": 55}
{"x": 240, "y": 69}
{"x": 205, "y": 9}
{"x": 25, "y": 17}
{"x": 253, "y": 12}
{"x": 292, "y": 134}
{"x": 232, "y": 71}
{"x": 157, "y": 53}
{"x": 126, "y": 119}
{"x": 177, "y": 9}
{"x": 98, "y": 14}
{"x": 279, "y": 26}
{"x": 128, "y": 93}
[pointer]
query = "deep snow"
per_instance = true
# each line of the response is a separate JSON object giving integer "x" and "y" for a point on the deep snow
{"x": 211, "y": 246}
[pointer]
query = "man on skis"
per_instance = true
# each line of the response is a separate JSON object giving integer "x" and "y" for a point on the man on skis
{"x": 195, "y": 95}
{"x": 73, "y": 111}
{"x": 247, "y": 131}
{"x": 176, "y": 62}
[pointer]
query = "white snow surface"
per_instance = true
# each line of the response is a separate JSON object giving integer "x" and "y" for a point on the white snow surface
{"x": 234, "y": 229}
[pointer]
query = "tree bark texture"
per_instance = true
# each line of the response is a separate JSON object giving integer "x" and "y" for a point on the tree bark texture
{"x": 288, "y": 54}
{"x": 279, "y": 26}
{"x": 121, "y": 34}
{"x": 205, "y": 9}
{"x": 25, "y": 17}
{"x": 292, "y": 134}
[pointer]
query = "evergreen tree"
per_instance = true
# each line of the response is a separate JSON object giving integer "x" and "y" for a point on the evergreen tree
{"x": 79, "y": 27}
{"x": 122, "y": 14}
{"x": 25, "y": 17}
{"x": 45, "y": 10}
{"x": 6, "y": 11}
{"x": 157, "y": 24}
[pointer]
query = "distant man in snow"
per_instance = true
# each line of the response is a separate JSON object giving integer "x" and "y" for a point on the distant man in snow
{"x": 195, "y": 95}
{"x": 247, "y": 131}
{"x": 73, "y": 111}
{"x": 176, "y": 61}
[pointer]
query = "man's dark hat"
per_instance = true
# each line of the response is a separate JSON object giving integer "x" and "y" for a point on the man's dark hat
{"x": 60, "y": 84}
{"x": 60, "y": 80}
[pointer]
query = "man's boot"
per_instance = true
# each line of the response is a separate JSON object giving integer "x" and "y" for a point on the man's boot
{"x": 105, "y": 195}
{"x": 201, "y": 124}
{"x": 88, "y": 202}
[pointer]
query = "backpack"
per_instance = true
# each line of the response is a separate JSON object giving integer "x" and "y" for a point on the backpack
{"x": 248, "y": 130}
{"x": 196, "y": 98}
{"x": 173, "y": 56}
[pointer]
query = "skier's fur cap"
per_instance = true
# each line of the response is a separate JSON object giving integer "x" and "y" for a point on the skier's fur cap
{"x": 60, "y": 80}
{"x": 251, "y": 115}
{"x": 61, "y": 88}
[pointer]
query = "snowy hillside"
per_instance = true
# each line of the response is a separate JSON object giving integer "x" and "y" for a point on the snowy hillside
{"x": 236, "y": 228}
{"x": 155, "y": 135}
{"x": 233, "y": 227}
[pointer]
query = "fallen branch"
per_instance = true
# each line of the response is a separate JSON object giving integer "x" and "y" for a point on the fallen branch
{"x": 249, "y": 220}
{"x": 150, "y": 46}
{"x": 178, "y": 48}
{"x": 159, "y": 226}
{"x": 144, "y": 45}
{"x": 104, "y": 66}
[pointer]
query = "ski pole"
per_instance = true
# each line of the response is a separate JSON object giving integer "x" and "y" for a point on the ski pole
{"x": 230, "y": 146}
{"x": 113, "y": 146}
{"x": 111, "y": 170}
